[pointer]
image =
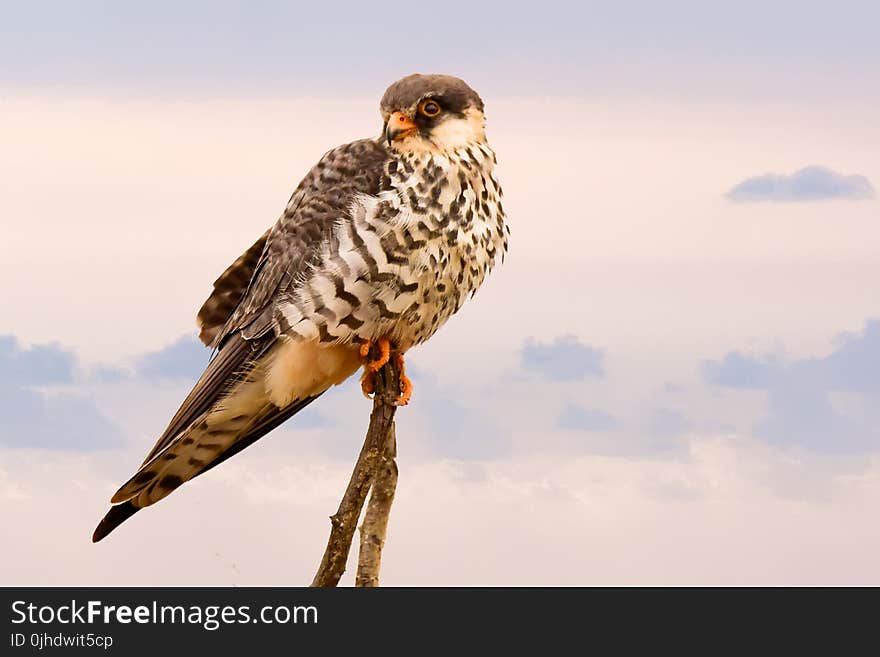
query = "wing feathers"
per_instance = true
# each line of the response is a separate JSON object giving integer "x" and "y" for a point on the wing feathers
{"x": 229, "y": 288}
{"x": 122, "y": 511}
{"x": 203, "y": 439}
{"x": 238, "y": 317}
{"x": 231, "y": 365}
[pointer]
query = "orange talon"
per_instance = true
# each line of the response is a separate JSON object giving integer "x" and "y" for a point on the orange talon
{"x": 368, "y": 384}
{"x": 372, "y": 367}
{"x": 384, "y": 354}
{"x": 406, "y": 386}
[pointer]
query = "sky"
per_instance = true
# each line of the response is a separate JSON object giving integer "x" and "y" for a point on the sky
{"x": 675, "y": 379}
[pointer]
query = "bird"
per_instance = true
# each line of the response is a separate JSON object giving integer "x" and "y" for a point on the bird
{"x": 379, "y": 245}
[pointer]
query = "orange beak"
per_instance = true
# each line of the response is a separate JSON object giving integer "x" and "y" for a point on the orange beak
{"x": 399, "y": 126}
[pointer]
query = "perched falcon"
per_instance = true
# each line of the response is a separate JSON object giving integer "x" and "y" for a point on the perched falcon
{"x": 379, "y": 245}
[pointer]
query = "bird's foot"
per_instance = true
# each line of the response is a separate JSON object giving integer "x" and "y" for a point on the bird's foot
{"x": 383, "y": 345}
{"x": 368, "y": 383}
{"x": 406, "y": 386}
{"x": 372, "y": 365}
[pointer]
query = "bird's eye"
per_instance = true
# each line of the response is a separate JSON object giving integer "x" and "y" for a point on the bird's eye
{"x": 429, "y": 108}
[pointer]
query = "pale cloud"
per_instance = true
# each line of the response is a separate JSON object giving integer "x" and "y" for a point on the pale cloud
{"x": 812, "y": 183}
{"x": 39, "y": 364}
{"x": 185, "y": 358}
{"x": 737, "y": 370}
{"x": 578, "y": 418}
{"x": 59, "y": 421}
{"x": 851, "y": 365}
{"x": 38, "y": 408}
{"x": 456, "y": 426}
{"x": 800, "y": 413}
{"x": 564, "y": 359}
{"x": 854, "y": 364}
{"x": 669, "y": 423}
{"x": 826, "y": 404}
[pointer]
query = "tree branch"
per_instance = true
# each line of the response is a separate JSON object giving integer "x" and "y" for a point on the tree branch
{"x": 375, "y": 524}
{"x": 379, "y": 434}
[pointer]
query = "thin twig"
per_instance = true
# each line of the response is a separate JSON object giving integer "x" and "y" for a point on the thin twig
{"x": 344, "y": 521}
{"x": 375, "y": 524}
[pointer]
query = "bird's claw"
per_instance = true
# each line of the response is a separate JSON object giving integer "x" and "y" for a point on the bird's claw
{"x": 372, "y": 367}
{"x": 406, "y": 386}
{"x": 376, "y": 364}
{"x": 368, "y": 383}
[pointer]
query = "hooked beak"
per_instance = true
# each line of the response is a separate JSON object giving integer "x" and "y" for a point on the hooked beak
{"x": 399, "y": 126}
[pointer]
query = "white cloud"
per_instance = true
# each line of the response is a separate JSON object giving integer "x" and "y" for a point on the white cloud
{"x": 812, "y": 183}
{"x": 578, "y": 418}
{"x": 185, "y": 358}
{"x": 564, "y": 359}
{"x": 34, "y": 415}
{"x": 806, "y": 398}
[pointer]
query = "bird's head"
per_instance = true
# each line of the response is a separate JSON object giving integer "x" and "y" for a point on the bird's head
{"x": 432, "y": 113}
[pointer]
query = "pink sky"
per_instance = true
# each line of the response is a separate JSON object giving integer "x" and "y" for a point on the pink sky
{"x": 618, "y": 223}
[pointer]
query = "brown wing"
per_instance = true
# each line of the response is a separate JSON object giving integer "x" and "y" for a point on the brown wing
{"x": 255, "y": 282}
{"x": 293, "y": 243}
{"x": 231, "y": 364}
{"x": 228, "y": 291}
{"x": 238, "y": 319}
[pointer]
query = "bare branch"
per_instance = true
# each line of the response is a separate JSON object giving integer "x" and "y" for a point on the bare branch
{"x": 344, "y": 521}
{"x": 375, "y": 524}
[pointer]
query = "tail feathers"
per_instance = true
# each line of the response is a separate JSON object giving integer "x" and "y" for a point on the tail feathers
{"x": 201, "y": 447}
{"x": 115, "y": 516}
{"x": 181, "y": 461}
{"x": 204, "y": 440}
{"x": 187, "y": 457}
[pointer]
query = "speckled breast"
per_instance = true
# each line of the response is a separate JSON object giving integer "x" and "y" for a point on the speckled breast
{"x": 402, "y": 262}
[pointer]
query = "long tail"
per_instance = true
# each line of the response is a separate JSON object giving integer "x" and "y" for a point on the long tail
{"x": 217, "y": 435}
